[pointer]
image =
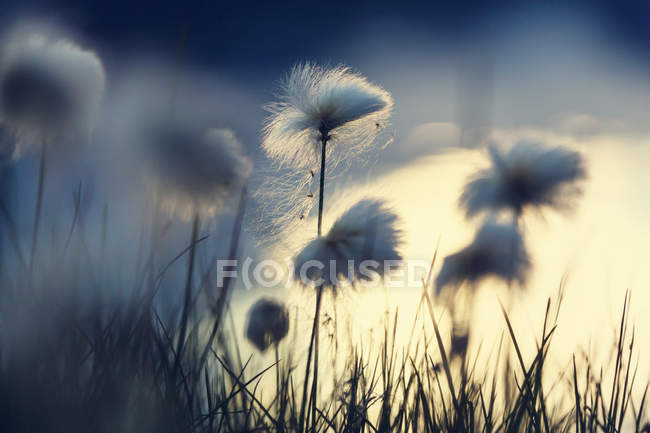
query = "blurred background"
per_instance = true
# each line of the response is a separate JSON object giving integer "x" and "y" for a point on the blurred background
{"x": 461, "y": 73}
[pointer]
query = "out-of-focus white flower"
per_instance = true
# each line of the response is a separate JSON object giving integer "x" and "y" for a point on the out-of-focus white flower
{"x": 193, "y": 170}
{"x": 356, "y": 248}
{"x": 527, "y": 175}
{"x": 48, "y": 87}
{"x": 268, "y": 323}
{"x": 316, "y": 102}
{"x": 498, "y": 250}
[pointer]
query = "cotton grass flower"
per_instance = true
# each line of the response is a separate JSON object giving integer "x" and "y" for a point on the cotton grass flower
{"x": 497, "y": 250}
{"x": 48, "y": 87}
{"x": 529, "y": 175}
{"x": 355, "y": 249}
{"x": 193, "y": 171}
{"x": 332, "y": 103}
{"x": 318, "y": 106}
{"x": 365, "y": 232}
{"x": 268, "y": 323}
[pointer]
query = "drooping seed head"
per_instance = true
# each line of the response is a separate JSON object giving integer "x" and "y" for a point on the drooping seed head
{"x": 316, "y": 102}
{"x": 268, "y": 323}
{"x": 497, "y": 250}
{"x": 529, "y": 175}
{"x": 193, "y": 170}
{"x": 48, "y": 87}
{"x": 356, "y": 248}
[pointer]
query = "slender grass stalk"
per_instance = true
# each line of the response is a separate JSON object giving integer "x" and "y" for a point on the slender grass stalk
{"x": 13, "y": 235}
{"x": 443, "y": 354}
{"x": 516, "y": 222}
{"x": 313, "y": 343}
{"x": 154, "y": 239}
{"x": 314, "y": 333}
{"x": 225, "y": 293}
{"x": 178, "y": 68}
{"x": 278, "y": 385}
{"x": 314, "y": 385}
{"x": 39, "y": 206}
{"x": 188, "y": 294}
{"x": 321, "y": 188}
{"x": 232, "y": 252}
{"x": 336, "y": 342}
{"x": 102, "y": 240}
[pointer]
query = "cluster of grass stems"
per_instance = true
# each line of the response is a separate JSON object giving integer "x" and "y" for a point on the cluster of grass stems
{"x": 121, "y": 367}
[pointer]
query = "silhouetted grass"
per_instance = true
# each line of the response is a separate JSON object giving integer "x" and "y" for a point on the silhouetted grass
{"x": 75, "y": 365}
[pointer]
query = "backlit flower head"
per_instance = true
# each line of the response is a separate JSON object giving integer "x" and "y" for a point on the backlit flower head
{"x": 527, "y": 175}
{"x": 333, "y": 102}
{"x": 356, "y": 248}
{"x": 48, "y": 87}
{"x": 193, "y": 170}
{"x": 497, "y": 250}
{"x": 268, "y": 323}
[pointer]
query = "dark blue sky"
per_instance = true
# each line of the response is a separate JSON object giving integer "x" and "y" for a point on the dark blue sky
{"x": 501, "y": 63}
{"x": 243, "y": 36}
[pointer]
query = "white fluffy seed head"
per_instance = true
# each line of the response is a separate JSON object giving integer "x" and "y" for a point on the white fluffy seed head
{"x": 268, "y": 323}
{"x": 282, "y": 198}
{"x": 528, "y": 175}
{"x": 355, "y": 249}
{"x": 497, "y": 250}
{"x": 48, "y": 87}
{"x": 193, "y": 170}
{"x": 332, "y": 102}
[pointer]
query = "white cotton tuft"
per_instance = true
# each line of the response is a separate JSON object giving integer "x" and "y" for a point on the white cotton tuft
{"x": 357, "y": 247}
{"x": 314, "y": 102}
{"x": 193, "y": 170}
{"x": 268, "y": 323}
{"x": 282, "y": 197}
{"x": 527, "y": 175}
{"x": 48, "y": 88}
{"x": 498, "y": 251}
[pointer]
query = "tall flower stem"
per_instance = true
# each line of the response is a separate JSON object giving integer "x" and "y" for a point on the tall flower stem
{"x": 313, "y": 343}
{"x": 314, "y": 384}
{"x": 222, "y": 300}
{"x": 13, "y": 235}
{"x": 188, "y": 294}
{"x": 39, "y": 206}
{"x": 321, "y": 189}
{"x": 278, "y": 386}
{"x": 153, "y": 244}
{"x": 516, "y": 222}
